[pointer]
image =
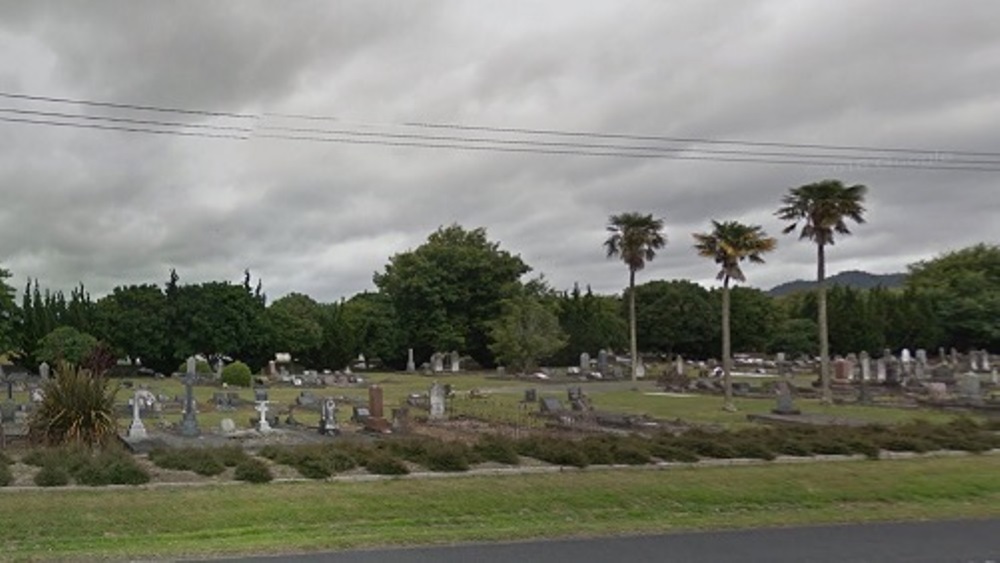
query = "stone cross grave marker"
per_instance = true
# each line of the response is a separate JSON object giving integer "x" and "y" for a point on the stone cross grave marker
{"x": 328, "y": 418}
{"x": 262, "y": 424}
{"x": 136, "y": 430}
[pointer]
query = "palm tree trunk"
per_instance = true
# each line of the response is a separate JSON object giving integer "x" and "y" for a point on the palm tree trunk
{"x": 727, "y": 356}
{"x": 824, "y": 335}
{"x": 633, "y": 347}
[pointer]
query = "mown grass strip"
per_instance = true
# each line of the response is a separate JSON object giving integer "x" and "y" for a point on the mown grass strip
{"x": 306, "y": 516}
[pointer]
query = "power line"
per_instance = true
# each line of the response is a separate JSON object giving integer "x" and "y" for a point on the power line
{"x": 121, "y": 128}
{"x": 646, "y": 148}
{"x": 92, "y": 103}
{"x": 942, "y": 160}
{"x": 126, "y": 120}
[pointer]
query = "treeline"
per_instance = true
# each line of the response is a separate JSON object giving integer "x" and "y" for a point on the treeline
{"x": 454, "y": 291}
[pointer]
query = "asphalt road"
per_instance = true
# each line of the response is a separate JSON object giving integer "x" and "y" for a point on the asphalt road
{"x": 970, "y": 541}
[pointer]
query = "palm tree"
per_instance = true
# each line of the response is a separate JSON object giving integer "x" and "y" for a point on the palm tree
{"x": 823, "y": 208}
{"x": 728, "y": 244}
{"x": 635, "y": 238}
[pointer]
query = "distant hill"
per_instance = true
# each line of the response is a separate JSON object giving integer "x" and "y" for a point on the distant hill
{"x": 850, "y": 278}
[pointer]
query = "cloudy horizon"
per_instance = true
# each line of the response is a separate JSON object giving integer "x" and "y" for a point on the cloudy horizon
{"x": 319, "y": 212}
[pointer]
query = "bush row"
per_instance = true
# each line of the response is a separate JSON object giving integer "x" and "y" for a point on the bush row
{"x": 61, "y": 466}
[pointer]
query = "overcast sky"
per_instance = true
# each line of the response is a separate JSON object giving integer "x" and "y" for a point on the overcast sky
{"x": 111, "y": 208}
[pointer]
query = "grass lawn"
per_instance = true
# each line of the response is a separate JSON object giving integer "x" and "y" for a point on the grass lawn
{"x": 215, "y": 520}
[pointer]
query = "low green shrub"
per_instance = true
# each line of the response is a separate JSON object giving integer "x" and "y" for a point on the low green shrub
{"x": 6, "y": 477}
{"x": 52, "y": 476}
{"x": 199, "y": 460}
{"x": 493, "y": 447}
{"x": 668, "y": 452}
{"x": 230, "y": 456}
{"x": 384, "y": 464}
{"x": 446, "y": 456}
{"x": 253, "y": 470}
{"x": 238, "y": 374}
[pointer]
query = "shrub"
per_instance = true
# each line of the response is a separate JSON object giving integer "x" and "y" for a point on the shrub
{"x": 111, "y": 468}
{"x": 492, "y": 447}
{"x": 668, "y": 452}
{"x": 78, "y": 408}
{"x": 384, "y": 464}
{"x": 52, "y": 476}
{"x": 230, "y": 456}
{"x": 631, "y": 454}
{"x": 312, "y": 467}
{"x": 6, "y": 477}
{"x": 553, "y": 450}
{"x": 443, "y": 456}
{"x": 597, "y": 451}
{"x": 253, "y": 470}
{"x": 201, "y": 461}
{"x": 237, "y": 373}
{"x": 5, "y": 460}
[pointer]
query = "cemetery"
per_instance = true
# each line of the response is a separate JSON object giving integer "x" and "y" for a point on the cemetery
{"x": 192, "y": 427}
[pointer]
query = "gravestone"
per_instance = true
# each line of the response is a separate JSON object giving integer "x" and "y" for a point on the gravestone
{"x": 585, "y": 363}
{"x": 907, "y": 362}
{"x": 602, "y": 361}
{"x": 43, "y": 371}
{"x": 375, "y": 405}
{"x": 410, "y": 366}
{"x": 969, "y": 389}
{"x": 328, "y": 418}
{"x": 679, "y": 365}
{"x": 227, "y": 426}
{"x": 786, "y": 404}
{"x": 840, "y": 370}
{"x": 920, "y": 371}
{"x": 954, "y": 356}
{"x": 866, "y": 366}
{"x": 272, "y": 368}
{"x": 937, "y": 391}
{"x": 259, "y": 394}
{"x": 438, "y": 402}
{"x": 456, "y": 362}
{"x": 550, "y": 405}
{"x": 401, "y": 420}
{"x": 985, "y": 362}
{"x": 136, "y": 430}
{"x": 530, "y": 396}
{"x": 437, "y": 362}
{"x": 262, "y": 424}
{"x": 306, "y": 399}
{"x": 189, "y": 422}
{"x": 942, "y": 355}
{"x": 640, "y": 370}
{"x": 921, "y": 356}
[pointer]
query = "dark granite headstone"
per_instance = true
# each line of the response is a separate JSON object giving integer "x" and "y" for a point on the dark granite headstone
{"x": 548, "y": 404}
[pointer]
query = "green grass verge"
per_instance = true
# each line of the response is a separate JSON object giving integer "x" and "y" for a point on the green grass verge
{"x": 215, "y": 520}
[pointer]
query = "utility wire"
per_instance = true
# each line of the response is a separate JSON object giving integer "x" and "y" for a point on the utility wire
{"x": 929, "y": 159}
{"x": 126, "y": 120}
{"x": 646, "y": 148}
{"x": 92, "y": 103}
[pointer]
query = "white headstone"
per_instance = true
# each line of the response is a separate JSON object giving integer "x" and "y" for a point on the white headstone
{"x": 985, "y": 361}
{"x": 192, "y": 365}
{"x": 866, "y": 366}
{"x": 227, "y": 426}
{"x": 640, "y": 370}
{"x": 880, "y": 370}
{"x": 437, "y": 400}
{"x": 263, "y": 425}
{"x": 136, "y": 430}
{"x": 585, "y": 362}
{"x": 43, "y": 371}
{"x": 456, "y": 362}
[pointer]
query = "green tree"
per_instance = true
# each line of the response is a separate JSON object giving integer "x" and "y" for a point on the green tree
{"x": 591, "y": 323}
{"x": 8, "y": 314}
{"x": 133, "y": 320}
{"x": 729, "y": 244}
{"x": 964, "y": 286}
{"x": 754, "y": 317}
{"x": 634, "y": 239}
{"x": 823, "y": 208}
{"x": 217, "y": 318}
{"x": 676, "y": 317}
{"x": 65, "y": 344}
{"x": 374, "y": 328}
{"x": 296, "y": 323}
{"x": 796, "y": 337}
{"x": 526, "y": 331}
{"x": 448, "y": 290}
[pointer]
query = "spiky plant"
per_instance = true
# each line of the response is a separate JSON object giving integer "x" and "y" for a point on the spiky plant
{"x": 78, "y": 408}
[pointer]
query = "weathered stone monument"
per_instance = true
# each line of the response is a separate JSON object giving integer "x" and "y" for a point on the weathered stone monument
{"x": 262, "y": 424}
{"x": 410, "y": 365}
{"x": 679, "y": 365}
{"x": 437, "y": 362}
{"x": 584, "y": 363}
{"x": 376, "y": 421}
{"x": 328, "y": 418}
{"x": 438, "y": 402}
{"x": 602, "y": 361}
{"x": 866, "y": 366}
{"x": 969, "y": 389}
{"x": 786, "y": 404}
{"x": 137, "y": 430}
{"x": 43, "y": 371}
{"x": 456, "y": 362}
{"x": 189, "y": 422}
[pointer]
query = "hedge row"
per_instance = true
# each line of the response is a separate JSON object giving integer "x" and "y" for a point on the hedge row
{"x": 61, "y": 466}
